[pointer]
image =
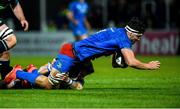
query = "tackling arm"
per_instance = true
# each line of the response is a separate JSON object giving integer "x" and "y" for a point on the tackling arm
{"x": 135, "y": 63}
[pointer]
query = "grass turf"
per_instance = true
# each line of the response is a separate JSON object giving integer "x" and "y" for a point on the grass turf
{"x": 107, "y": 87}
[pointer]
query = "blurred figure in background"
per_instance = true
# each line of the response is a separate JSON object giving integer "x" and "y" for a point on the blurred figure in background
{"x": 7, "y": 37}
{"x": 77, "y": 16}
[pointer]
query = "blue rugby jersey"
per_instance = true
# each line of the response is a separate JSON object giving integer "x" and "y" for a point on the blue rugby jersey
{"x": 79, "y": 10}
{"x": 101, "y": 43}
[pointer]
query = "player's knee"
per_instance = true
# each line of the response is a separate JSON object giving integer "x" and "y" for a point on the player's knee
{"x": 84, "y": 36}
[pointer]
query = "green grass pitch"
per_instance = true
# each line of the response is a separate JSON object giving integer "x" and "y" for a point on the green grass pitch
{"x": 106, "y": 88}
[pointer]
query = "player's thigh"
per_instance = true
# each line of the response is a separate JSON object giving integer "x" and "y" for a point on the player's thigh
{"x": 8, "y": 36}
{"x": 11, "y": 41}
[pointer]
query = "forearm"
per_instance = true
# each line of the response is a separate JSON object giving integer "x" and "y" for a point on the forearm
{"x": 139, "y": 65}
{"x": 135, "y": 63}
{"x": 18, "y": 12}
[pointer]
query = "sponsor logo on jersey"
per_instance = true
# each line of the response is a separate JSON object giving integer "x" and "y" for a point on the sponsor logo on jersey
{"x": 59, "y": 65}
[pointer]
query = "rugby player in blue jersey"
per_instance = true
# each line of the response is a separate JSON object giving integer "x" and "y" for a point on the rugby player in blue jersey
{"x": 77, "y": 16}
{"x": 104, "y": 42}
{"x": 7, "y": 36}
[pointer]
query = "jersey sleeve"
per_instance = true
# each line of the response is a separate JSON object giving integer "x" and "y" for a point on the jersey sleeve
{"x": 13, "y": 3}
{"x": 122, "y": 40}
{"x": 124, "y": 44}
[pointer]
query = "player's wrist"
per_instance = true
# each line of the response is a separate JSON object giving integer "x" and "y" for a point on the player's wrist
{"x": 148, "y": 66}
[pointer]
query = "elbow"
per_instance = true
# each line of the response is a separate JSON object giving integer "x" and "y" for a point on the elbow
{"x": 131, "y": 63}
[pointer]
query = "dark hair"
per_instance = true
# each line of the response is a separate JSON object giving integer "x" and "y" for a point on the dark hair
{"x": 137, "y": 25}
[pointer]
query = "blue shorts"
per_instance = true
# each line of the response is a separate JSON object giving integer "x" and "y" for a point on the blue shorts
{"x": 78, "y": 30}
{"x": 63, "y": 63}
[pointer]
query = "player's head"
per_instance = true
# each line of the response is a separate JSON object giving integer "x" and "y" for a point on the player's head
{"x": 135, "y": 29}
{"x": 135, "y": 26}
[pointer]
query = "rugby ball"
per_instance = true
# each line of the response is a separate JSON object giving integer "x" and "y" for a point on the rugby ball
{"x": 118, "y": 61}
